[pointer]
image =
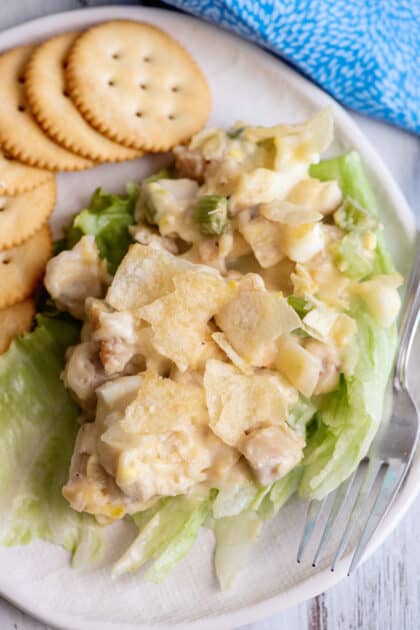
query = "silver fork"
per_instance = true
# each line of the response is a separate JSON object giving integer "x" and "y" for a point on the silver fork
{"x": 389, "y": 456}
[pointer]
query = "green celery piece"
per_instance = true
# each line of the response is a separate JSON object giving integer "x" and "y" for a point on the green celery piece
{"x": 300, "y": 305}
{"x": 350, "y": 216}
{"x": 348, "y": 171}
{"x": 37, "y": 432}
{"x": 211, "y": 214}
{"x": 234, "y": 133}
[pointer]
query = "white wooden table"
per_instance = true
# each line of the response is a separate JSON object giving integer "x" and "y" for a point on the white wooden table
{"x": 384, "y": 594}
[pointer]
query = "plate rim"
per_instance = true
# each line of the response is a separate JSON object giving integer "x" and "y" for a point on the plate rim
{"x": 322, "y": 580}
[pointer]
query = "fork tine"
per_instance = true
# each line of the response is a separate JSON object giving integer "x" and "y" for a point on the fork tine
{"x": 364, "y": 491}
{"x": 340, "y": 497}
{"x": 314, "y": 512}
{"x": 391, "y": 483}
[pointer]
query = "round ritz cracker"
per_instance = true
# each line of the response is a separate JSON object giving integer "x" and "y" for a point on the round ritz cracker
{"x": 22, "y": 215}
{"x": 20, "y": 134}
{"x": 16, "y": 178}
{"x": 15, "y": 320}
{"x": 54, "y": 110}
{"x": 22, "y": 267}
{"x": 137, "y": 85}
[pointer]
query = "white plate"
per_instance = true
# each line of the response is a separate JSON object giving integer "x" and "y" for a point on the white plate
{"x": 251, "y": 85}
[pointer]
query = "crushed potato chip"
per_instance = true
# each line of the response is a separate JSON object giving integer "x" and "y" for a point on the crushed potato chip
{"x": 298, "y": 365}
{"x": 223, "y": 343}
{"x": 182, "y": 404}
{"x": 179, "y": 320}
{"x": 145, "y": 274}
{"x": 238, "y": 403}
{"x": 264, "y": 237}
{"x": 288, "y": 213}
{"x": 253, "y": 320}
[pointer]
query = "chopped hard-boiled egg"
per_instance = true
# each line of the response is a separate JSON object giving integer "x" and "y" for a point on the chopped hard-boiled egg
{"x": 381, "y": 297}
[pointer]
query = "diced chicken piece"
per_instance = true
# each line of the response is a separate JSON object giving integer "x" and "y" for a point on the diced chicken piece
{"x": 83, "y": 373}
{"x": 329, "y": 374}
{"x": 224, "y": 459}
{"x": 125, "y": 345}
{"x": 272, "y": 451}
{"x": 147, "y": 236}
{"x": 74, "y": 275}
{"x": 89, "y": 488}
{"x": 189, "y": 163}
{"x": 323, "y": 197}
{"x": 116, "y": 334}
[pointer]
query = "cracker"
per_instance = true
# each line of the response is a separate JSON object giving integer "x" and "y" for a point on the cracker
{"x": 54, "y": 110}
{"x": 20, "y": 134}
{"x": 22, "y": 267}
{"x": 22, "y": 215}
{"x": 16, "y": 178}
{"x": 137, "y": 85}
{"x": 15, "y": 320}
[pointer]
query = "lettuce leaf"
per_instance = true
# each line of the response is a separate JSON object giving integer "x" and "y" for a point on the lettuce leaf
{"x": 167, "y": 532}
{"x": 107, "y": 217}
{"x": 280, "y": 492}
{"x": 37, "y": 431}
{"x": 352, "y": 259}
{"x": 235, "y": 536}
{"x": 349, "y": 417}
{"x": 348, "y": 171}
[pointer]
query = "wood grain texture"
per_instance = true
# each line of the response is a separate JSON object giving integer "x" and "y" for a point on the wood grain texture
{"x": 383, "y": 594}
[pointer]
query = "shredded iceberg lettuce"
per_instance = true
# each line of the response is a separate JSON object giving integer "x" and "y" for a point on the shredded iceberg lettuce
{"x": 235, "y": 536}
{"x": 167, "y": 532}
{"x": 349, "y": 417}
{"x": 37, "y": 431}
{"x": 107, "y": 218}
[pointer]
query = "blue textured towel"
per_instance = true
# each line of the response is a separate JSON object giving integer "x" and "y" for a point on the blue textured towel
{"x": 366, "y": 53}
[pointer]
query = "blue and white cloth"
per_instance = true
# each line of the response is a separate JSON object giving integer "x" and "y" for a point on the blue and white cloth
{"x": 365, "y": 53}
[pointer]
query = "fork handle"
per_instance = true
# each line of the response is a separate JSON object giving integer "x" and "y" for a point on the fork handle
{"x": 410, "y": 317}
